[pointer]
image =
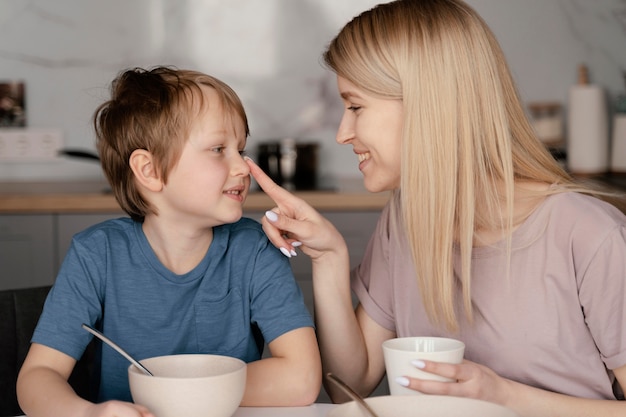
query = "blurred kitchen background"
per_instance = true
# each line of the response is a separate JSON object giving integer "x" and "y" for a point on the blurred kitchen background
{"x": 66, "y": 52}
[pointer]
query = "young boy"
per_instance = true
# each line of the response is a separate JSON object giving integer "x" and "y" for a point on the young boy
{"x": 186, "y": 273}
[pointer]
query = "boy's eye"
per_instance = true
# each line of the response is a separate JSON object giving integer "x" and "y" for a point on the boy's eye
{"x": 217, "y": 149}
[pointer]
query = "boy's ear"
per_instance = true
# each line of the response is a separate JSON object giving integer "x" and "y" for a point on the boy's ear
{"x": 142, "y": 163}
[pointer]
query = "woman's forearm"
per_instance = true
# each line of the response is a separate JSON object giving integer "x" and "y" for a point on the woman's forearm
{"x": 341, "y": 342}
{"x": 534, "y": 402}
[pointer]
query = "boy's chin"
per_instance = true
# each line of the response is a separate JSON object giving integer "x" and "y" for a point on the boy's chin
{"x": 233, "y": 218}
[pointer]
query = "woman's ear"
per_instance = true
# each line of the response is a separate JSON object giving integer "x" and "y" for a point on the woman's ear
{"x": 146, "y": 174}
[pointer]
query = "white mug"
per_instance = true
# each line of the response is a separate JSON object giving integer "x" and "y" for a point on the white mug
{"x": 400, "y": 352}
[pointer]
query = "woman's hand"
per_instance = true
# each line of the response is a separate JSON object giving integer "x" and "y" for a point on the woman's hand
{"x": 472, "y": 381}
{"x": 293, "y": 222}
{"x": 479, "y": 382}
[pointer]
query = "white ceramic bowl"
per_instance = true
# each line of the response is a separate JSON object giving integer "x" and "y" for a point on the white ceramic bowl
{"x": 189, "y": 385}
{"x": 423, "y": 405}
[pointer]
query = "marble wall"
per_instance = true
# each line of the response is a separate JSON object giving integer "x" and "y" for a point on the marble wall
{"x": 67, "y": 51}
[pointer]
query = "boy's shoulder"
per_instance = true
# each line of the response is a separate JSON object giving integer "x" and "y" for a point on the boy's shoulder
{"x": 243, "y": 225}
{"x": 114, "y": 223}
{"x": 111, "y": 227}
{"x": 246, "y": 236}
{"x": 245, "y": 229}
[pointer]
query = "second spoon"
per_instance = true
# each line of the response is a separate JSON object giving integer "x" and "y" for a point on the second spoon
{"x": 352, "y": 394}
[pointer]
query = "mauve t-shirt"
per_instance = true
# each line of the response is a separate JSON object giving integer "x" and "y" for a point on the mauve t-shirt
{"x": 557, "y": 321}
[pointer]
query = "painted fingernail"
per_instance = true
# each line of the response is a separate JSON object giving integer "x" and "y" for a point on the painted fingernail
{"x": 402, "y": 380}
{"x": 285, "y": 252}
{"x": 271, "y": 216}
{"x": 418, "y": 364}
{"x": 296, "y": 244}
{"x": 293, "y": 253}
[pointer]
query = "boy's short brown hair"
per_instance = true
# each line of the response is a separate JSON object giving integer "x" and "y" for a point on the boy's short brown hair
{"x": 152, "y": 110}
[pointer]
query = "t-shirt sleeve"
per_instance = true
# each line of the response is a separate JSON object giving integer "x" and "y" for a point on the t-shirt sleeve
{"x": 371, "y": 280}
{"x": 73, "y": 300}
{"x": 603, "y": 297}
{"x": 277, "y": 304}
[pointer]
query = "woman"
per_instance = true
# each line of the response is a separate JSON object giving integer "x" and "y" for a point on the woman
{"x": 486, "y": 239}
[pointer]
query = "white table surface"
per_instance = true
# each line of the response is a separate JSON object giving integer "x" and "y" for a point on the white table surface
{"x": 314, "y": 410}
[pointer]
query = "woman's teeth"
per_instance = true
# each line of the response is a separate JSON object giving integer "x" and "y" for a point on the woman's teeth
{"x": 363, "y": 156}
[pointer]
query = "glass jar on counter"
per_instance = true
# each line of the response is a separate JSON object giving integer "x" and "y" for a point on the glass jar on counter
{"x": 547, "y": 120}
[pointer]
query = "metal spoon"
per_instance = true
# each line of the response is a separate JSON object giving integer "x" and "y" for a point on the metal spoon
{"x": 352, "y": 394}
{"x": 121, "y": 351}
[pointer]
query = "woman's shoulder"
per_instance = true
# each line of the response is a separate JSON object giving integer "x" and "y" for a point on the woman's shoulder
{"x": 584, "y": 206}
{"x": 581, "y": 219}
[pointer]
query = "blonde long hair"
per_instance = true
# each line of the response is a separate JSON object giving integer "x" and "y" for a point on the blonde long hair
{"x": 466, "y": 138}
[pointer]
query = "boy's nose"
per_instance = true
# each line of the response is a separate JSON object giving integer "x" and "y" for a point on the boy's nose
{"x": 239, "y": 166}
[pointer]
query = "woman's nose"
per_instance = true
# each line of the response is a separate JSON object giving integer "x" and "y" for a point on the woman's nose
{"x": 345, "y": 132}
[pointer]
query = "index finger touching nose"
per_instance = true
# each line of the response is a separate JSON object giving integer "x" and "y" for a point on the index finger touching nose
{"x": 265, "y": 182}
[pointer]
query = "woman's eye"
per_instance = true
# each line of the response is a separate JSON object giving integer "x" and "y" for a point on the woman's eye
{"x": 354, "y": 108}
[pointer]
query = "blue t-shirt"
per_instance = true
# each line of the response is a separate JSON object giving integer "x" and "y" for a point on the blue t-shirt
{"x": 241, "y": 295}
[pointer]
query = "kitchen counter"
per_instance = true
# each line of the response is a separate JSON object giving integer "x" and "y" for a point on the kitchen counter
{"x": 95, "y": 197}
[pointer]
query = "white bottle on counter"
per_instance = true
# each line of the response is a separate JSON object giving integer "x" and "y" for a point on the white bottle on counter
{"x": 618, "y": 152}
{"x": 587, "y": 128}
{"x": 618, "y": 144}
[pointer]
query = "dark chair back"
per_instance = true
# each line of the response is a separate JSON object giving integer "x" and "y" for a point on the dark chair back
{"x": 19, "y": 312}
